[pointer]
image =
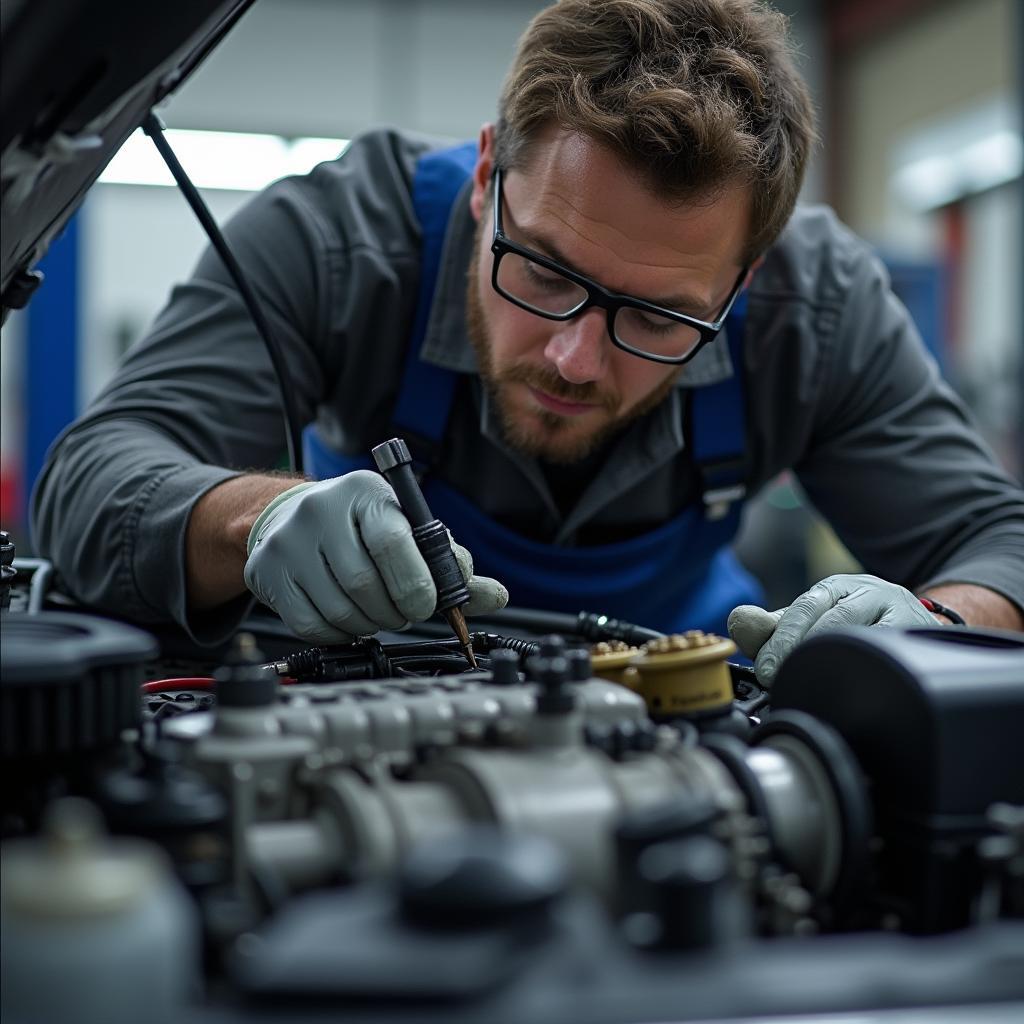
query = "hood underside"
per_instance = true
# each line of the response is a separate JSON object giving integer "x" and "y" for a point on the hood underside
{"x": 79, "y": 76}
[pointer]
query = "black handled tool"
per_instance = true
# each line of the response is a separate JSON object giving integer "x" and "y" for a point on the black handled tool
{"x": 395, "y": 463}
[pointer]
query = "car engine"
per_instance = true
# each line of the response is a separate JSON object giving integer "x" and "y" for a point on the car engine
{"x": 598, "y": 823}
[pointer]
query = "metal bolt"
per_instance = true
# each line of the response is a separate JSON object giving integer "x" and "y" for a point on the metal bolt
{"x": 268, "y": 791}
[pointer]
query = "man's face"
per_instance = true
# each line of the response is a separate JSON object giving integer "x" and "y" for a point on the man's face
{"x": 562, "y": 387}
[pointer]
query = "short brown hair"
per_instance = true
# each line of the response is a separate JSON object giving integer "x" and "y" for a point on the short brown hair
{"x": 693, "y": 95}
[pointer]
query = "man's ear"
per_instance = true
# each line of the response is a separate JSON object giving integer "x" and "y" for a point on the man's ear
{"x": 482, "y": 171}
{"x": 750, "y": 273}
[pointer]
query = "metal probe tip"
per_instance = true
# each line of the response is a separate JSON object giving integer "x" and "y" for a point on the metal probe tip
{"x": 457, "y": 621}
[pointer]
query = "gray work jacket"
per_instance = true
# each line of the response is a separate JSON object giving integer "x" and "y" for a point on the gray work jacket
{"x": 841, "y": 391}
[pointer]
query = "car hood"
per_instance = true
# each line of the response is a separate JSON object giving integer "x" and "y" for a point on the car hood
{"x": 79, "y": 76}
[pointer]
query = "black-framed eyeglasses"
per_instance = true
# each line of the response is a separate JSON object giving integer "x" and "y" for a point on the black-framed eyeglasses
{"x": 540, "y": 285}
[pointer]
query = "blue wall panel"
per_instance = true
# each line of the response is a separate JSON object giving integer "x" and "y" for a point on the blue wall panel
{"x": 51, "y": 356}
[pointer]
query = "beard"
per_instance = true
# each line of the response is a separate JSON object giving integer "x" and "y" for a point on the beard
{"x": 539, "y": 432}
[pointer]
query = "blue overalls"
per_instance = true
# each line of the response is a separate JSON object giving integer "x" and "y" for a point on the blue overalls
{"x": 679, "y": 576}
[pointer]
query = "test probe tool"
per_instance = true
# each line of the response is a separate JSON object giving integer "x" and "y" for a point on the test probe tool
{"x": 431, "y": 536}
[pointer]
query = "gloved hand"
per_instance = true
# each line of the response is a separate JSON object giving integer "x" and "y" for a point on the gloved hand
{"x": 836, "y": 602}
{"x": 337, "y": 560}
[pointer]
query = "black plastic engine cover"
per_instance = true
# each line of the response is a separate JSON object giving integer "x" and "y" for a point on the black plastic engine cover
{"x": 935, "y": 718}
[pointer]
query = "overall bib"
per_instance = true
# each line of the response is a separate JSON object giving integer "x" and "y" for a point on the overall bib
{"x": 679, "y": 576}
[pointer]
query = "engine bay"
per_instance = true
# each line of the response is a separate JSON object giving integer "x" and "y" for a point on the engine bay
{"x": 598, "y": 823}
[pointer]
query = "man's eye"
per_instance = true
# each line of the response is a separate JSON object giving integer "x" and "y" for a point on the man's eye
{"x": 546, "y": 279}
{"x": 656, "y": 325}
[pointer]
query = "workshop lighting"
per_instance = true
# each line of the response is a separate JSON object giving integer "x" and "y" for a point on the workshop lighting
{"x": 927, "y": 184}
{"x": 237, "y": 161}
{"x": 992, "y": 161}
{"x": 937, "y": 180}
{"x": 959, "y": 156}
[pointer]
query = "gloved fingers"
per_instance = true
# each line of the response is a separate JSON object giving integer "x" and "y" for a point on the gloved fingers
{"x": 301, "y": 615}
{"x": 905, "y": 611}
{"x": 796, "y": 620}
{"x": 331, "y": 595}
{"x": 836, "y": 603}
{"x": 358, "y": 600}
{"x": 485, "y": 595}
{"x": 463, "y": 557}
{"x": 750, "y": 627}
{"x": 874, "y": 602}
{"x": 311, "y": 554}
{"x": 387, "y": 537}
{"x": 857, "y": 610}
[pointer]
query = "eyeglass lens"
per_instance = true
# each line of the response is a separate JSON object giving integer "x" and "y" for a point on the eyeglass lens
{"x": 546, "y": 291}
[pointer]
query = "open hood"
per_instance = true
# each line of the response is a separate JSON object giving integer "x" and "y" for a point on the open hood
{"x": 78, "y": 77}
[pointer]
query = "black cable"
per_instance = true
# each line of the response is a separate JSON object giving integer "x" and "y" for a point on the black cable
{"x": 535, "y": 620}
{"x": 588, "y": 625}
{"x": 595, "y": 627}
{"x": 293, "y": 427}
{"x": 484, "y": 643}
{"x": 940, "y": 609}
{"x": 367, "y": 658}
{"x": 443, "y": 664}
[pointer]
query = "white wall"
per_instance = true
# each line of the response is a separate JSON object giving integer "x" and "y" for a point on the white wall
{"x": 323, "y": 67}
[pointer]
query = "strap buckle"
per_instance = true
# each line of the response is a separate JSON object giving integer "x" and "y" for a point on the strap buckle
{"x": 718, "y": 500}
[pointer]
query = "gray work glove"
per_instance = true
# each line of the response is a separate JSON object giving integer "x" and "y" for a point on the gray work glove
{"x": 834, "y": 603}
{"x": 337, "y": 560}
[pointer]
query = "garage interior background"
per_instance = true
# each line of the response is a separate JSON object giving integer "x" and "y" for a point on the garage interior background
{"x": 920, "y": 104}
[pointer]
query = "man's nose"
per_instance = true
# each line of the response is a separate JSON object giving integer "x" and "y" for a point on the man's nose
{"x": 579, "y": 347}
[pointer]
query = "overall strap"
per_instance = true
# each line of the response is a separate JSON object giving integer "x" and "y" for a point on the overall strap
{"x": 719, "y": 427}
{"x": 426, "y": 391}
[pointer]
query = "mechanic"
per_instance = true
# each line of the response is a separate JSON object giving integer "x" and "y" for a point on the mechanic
{"x": 537, "y": 314}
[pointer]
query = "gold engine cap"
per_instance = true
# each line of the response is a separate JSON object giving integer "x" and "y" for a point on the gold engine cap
{"x": 613, "y": 660}
{"x": 686, "y": 673}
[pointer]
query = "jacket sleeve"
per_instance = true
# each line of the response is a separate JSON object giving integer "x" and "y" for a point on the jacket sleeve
{"x": 197, "y": 401}
{"x": 894, "y": 461}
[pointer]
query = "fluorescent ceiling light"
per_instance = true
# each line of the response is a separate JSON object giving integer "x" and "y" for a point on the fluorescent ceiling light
{"x": 236, "y": 161}
{"x": 928, "y": 183}
{"x": 959, "y": 156}
{"x": 992, "y": 161}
